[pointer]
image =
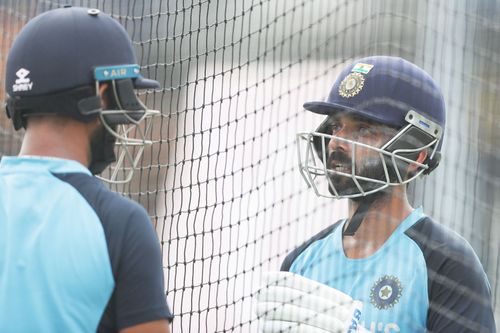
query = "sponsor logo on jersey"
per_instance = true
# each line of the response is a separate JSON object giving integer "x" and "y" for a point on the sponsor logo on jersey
{"x": 378, "y": 327}
{"x": 386, "y": 292}
{"x": 356, "y": 317}
{"x": 23, "y": 83}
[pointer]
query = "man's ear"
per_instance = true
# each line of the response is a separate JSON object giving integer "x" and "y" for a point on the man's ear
{"x": 422, "y": 156}
{"x": 104, "y": 96}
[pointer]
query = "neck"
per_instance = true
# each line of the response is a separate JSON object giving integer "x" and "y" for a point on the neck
{"x": 52, "y": 138}
{"x": 383, "y": 217}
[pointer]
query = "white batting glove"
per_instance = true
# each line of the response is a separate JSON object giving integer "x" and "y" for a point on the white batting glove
{"x": 294, "y": 304}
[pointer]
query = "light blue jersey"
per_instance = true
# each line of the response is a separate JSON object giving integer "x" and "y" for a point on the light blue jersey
{"x": 73, "y": 255}
{"x": 407, "y": 285}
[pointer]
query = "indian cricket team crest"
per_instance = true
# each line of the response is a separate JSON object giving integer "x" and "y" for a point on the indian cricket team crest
{"x": 351, "y": 85}
{"x": 386, "y": 292}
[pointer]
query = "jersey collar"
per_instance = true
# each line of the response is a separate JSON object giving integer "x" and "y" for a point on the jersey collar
{"x": 415, "y": 216}
{"x": 35, "y": 164}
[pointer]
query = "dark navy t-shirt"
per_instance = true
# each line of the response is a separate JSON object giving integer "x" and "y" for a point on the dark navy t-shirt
{"x": 74, "y": 256}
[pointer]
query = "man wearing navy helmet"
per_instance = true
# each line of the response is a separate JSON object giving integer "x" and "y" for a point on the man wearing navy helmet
{"x": 74, "y": 256}
{"x": 388, "y": 267}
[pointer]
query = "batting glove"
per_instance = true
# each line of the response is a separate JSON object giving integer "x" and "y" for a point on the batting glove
{"x": 294, "y": 304}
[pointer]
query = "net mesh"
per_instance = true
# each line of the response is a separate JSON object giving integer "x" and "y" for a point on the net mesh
{"x": 221, "y": 182}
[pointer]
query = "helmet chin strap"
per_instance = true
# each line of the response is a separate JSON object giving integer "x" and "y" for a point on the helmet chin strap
{"x": 360, "y": 213}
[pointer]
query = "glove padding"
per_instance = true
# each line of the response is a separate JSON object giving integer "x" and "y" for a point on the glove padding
{"x": 292, "y": 303}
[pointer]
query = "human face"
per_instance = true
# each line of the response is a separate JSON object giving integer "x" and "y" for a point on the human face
{"x": 346, "y": 130}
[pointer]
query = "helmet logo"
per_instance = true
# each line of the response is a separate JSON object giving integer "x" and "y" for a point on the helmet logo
{"x": 105, "y": 73}
{"x": 23, "y": 83}
{"x": 362, "y": 68}
{"x": 93, "y": 12}
{"x": 351, "y": 85}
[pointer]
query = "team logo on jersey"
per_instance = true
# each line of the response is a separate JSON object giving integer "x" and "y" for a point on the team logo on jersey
{"x": 23, "y": 83}
{"x": 351, "y": 85}
{"x": 386, "y": 292}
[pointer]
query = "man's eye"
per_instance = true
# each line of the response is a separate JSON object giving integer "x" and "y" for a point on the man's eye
{"x": 334, "y": 128}
{"x": 364, "y": 130}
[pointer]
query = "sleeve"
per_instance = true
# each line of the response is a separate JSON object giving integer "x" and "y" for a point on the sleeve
{"x": 134, "y": 253}
{"x": 460, "y": 298}
{"x": 459, "y": 292}
{"x": 139, "y": 291}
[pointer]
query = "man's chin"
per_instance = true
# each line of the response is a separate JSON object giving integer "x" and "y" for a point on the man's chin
{"x": 343, "y": 185}
{"x": 346, "y": 186}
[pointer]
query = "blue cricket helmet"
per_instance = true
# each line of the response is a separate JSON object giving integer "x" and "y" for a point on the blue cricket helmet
{"x": 384, "y": 89}
{"x": 58, "y": 50}
{"x": 389, "y": 91}
{"x": 56, "y": 65}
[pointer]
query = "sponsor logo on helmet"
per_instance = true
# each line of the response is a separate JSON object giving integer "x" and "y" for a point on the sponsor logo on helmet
{"x": 386, "y": 292}
{"x": 105, "y": 73}
{"x": 351, "y": 85}
{"x": 23, "y": 83}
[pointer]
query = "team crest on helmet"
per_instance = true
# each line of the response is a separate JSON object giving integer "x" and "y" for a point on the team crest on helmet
{"x": 386, "y": 292}
{"x": 351, "y": 85}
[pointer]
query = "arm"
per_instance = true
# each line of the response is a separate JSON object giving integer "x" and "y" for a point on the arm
{"x": 139, "y": 292}
{"x": 158, "y": 326}
{"x": 460, "y": 299}
{"x": 135, "y": 257}
{"x": 459, "y": 292}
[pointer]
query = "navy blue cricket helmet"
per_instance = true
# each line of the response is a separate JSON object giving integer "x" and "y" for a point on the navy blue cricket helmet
{"x": 384, "y": 89}
{"x": 59, "y": 51}
{"x": 56, "y": 65}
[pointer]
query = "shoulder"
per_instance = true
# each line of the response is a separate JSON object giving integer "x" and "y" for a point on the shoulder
{"x": 134, "y": 252}
{"x": 290, "y": 258}
{"x": 441, "y": 245}
{"x": 110, "y": 207}
{"x": 458, "y": 288}
{"x": 125, "y": 223}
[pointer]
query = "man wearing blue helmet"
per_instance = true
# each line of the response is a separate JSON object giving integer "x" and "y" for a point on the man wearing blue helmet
{"x": 74, "y": 256}
{"x": 388, "y": 267}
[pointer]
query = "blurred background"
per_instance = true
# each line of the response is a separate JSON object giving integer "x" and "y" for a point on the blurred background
{"x": 221, "y": 182}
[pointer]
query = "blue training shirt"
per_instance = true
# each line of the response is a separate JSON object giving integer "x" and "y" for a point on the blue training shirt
{"x": 74, "y": 256}
{"x": 425, "y": 278}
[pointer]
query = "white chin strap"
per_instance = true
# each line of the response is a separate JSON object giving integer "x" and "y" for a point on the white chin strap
{"x": 315, "y": 169}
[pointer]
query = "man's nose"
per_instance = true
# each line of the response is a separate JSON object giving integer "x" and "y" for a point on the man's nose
{"x": 337, "y": 143}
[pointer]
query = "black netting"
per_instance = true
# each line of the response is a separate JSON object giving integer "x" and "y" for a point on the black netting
{"x": 221, "y": 182}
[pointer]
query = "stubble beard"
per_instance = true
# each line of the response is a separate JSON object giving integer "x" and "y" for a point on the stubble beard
{"x": 369, "y": 167}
